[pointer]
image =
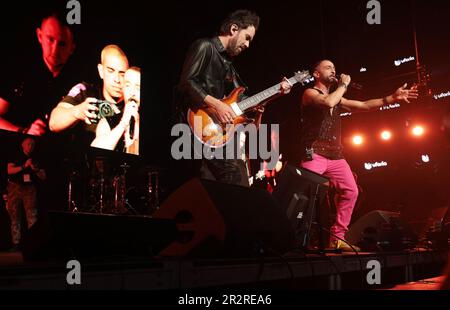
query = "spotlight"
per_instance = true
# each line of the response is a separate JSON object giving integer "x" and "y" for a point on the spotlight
{"x": 386, "y": 135}
{"x": 418, "y": 131}
{"x": 357, "y": 140}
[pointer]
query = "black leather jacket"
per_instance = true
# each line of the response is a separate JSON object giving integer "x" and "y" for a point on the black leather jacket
{"x": 207, "y": 70}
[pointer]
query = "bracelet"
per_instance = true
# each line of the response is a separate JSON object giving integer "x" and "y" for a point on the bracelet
{"x": 385, "y": 102}
{"x": 23, "y": 130}
{"x": 343, "y": 84}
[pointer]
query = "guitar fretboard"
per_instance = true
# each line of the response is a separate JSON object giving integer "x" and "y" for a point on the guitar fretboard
{"x": 254, "y": 100}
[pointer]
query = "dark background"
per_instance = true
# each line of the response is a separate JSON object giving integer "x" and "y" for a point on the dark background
{"x": 291, "y": 37}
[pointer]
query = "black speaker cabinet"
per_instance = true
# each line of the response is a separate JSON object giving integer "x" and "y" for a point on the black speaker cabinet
{"x": 217, "y": 219}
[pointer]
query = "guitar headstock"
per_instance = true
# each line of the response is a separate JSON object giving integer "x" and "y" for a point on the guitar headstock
{"x": 303, "y": 77}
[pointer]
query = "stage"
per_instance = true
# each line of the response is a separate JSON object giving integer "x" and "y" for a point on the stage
{"x": 292, "y": 271}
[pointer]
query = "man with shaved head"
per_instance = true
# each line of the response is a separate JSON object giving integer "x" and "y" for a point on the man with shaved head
{"x": 78, "y": 107}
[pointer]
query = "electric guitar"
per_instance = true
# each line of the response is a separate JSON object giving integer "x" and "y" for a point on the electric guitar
{"x": 209, "y": 130}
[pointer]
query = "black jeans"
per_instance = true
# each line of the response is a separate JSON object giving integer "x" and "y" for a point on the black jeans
{"x": 231, "y": 171}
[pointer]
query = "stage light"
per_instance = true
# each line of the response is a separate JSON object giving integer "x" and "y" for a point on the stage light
{"x": 357, "y": 140}
{"x": 386, "y": 135}
{"x": 418, "y": 131}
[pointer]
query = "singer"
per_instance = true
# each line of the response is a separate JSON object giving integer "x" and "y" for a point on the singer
{"x": 121, "y": 131}
{"x": 321, "y": 138}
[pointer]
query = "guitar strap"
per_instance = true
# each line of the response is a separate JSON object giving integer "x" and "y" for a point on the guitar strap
{"x": 238, "y": 80}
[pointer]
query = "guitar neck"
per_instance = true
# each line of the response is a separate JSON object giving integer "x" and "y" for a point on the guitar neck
{"x": 254, "y": 100}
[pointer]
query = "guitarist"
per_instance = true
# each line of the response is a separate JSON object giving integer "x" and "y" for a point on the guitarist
{"x": 208, "y": 76}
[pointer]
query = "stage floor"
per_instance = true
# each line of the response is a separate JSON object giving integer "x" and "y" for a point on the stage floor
{"x": 292, "y": 271}
{"x": 422, "y": 285}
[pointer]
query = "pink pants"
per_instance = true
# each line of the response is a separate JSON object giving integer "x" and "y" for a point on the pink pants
{"x": 340, "y": 175}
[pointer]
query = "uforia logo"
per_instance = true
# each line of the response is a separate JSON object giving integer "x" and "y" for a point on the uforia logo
{"x": 402, "y": 61}
{"x": 442, "y": 95}
{"x": 390, "y": 107}
{"x": 370, "y": 166}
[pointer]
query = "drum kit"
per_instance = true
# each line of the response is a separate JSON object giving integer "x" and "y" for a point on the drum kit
{"x": 108, "y": 192}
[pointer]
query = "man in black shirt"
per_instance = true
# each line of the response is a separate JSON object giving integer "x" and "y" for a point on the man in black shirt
{"x": 321, "y": 138}
{"x": 26, "y": 103}
{"x": 24, "y": 173}
{"x": 78, "y": 107}
{"x": 208, "y": 76}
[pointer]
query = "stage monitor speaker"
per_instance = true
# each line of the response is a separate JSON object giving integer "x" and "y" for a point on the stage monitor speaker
{"x": 63, "y": 235}
{"x": 301, "y": 193}
{"x": 380, "y": 231}
{"x": 222, "y": 220}
{"x": 370, "y": 222}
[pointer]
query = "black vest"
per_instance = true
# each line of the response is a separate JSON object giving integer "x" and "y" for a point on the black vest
{"x": 321, "y": 131}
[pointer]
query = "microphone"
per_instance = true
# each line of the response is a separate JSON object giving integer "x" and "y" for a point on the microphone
{"x": 132, "y": 123}
{"x": 132, "y": 120}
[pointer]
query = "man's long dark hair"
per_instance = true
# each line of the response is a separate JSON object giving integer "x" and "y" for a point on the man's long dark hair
{"x": 242, "y": 18}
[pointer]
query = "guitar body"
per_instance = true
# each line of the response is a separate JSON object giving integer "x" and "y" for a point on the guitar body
{"x": 210, "y": 130}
